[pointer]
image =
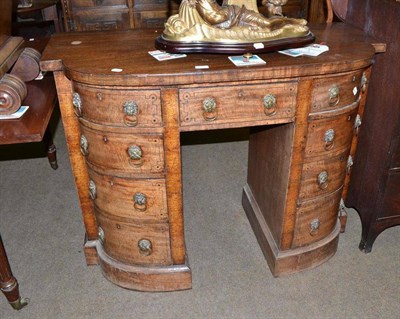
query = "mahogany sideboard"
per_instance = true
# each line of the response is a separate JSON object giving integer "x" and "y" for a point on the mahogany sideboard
{"x": 124, "y": 112}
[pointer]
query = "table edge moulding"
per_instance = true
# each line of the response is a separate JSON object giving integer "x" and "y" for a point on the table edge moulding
{"x": 123, "y": 114}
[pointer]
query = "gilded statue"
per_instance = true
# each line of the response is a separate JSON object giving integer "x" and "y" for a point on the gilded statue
{"x": 205, "y": 21}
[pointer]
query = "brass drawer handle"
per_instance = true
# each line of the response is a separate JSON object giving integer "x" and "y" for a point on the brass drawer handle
{"x": 314, "y": 226}
{"x": 84, "y": 144}
{"x": 364, "y": 82}
{"x": 77, "y": 104}
{"x": 135, "y": 155}
{"x": 131, "y": 110}
{"x": 350, "y": 163}
{"x": 329, "y": 138}
{"x": 140, "y": 200}
{"x": 145, "y": 247}
{"x": 322, "y": 180}
{"x": 357, "y": 124}
{"x": 210, "y": 109}
{"x": 334, "y": 95}
{"x": 92, "y": 190}
{"x": 101, "y": 235}
{"x": 269, "y": 102}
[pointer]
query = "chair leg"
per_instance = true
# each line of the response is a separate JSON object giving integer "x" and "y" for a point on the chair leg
{"x": 8, "y": 283}
{"x": 51, "y": 149}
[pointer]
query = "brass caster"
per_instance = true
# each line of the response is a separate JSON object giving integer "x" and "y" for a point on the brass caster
{"x": 19, "y": 303}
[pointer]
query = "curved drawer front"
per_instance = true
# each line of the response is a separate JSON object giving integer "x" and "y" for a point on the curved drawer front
{"x": 91, "y": 3}
{"x": 323, "y": 176}
{"x": 336, "y": 91}
{"x": 134, "y": 244}
{"x": 316, "y": 219}
{"x": 135, "y": 200}
{"x": 330, "y": 135}
{"x": 123, "y": 108}
{"x": 123, "y": 155}
{"x": 237, "y": 103}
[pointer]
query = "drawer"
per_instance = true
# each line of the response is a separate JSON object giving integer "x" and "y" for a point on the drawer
{"x": 323, "y": 175}
{"x": 137, "y": 200}
{"x": 330, "y": 135}
{"x": 95, "y": 3}
{"x": 316, "y": 219}
{"x": 150, "y": 19}
{"x": 334, "y": 92}
{"x": 134, "y": 244}
{"x": 123, "y": 155}
{"x": 96, "y": 20}
{"x": 123, "y": 108}
{"x": 235, "y": 104}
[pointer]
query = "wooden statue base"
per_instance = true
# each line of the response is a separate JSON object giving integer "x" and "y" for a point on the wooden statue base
{"x": 290, "y": 261}
{"x": 232, "y": 48}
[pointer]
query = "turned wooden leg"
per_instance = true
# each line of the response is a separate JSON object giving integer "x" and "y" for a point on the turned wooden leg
{"x": 8, "y": 283}
{"x": 51, "y": 149}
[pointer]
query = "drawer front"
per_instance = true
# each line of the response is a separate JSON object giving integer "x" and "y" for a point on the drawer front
{"x": 150, "y": 19}
{"x": 323, "y": 176}
{"x": 134, "y": 244}
{"x": 235, "y": 104}
{"x": 328, "y": 136}
{"x": 336, "y": 91}
{"x": 122, "y": 108}
{"x": 123, "y": 155}
{"x": 138, "y": 200}
{"x": 316, "y": 219}
{"x": 101, "y": 20}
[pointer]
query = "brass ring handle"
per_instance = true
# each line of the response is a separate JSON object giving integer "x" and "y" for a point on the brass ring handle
{"x": 269, "y": 102}
{"x": 84, "y": 144}
{"x": 145, "y": 247}
{"x": 131, "y": 110}
{"x": 92, "y": 190}
{"x": 364, "y": 81}
{"x": 334, "y": 95}
{"x": 77, "y": 104}
{"x": 329, "y": 139}
{"x": 314, "y": 226}
{"x": 322, "y": 180}
{"x": 135, "y": 155}
{"x": 357, "y": 124}
{"x": 210, "y": 109}
{"x": 140, "y": 200}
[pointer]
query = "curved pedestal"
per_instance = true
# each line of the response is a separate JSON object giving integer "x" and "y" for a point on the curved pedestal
{"x": 293, "y": 260}
{"x": 144, "y": 278}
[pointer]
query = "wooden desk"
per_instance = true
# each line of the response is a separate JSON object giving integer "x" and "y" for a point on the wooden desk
{"x": 123, "y": 114}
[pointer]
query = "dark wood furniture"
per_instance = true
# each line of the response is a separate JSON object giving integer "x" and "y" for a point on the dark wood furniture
{"x": 86, "y": 15}
{"x": 124, "y": 112}
{"x": 48, "y": 9}
{"x": 375, "y": 179}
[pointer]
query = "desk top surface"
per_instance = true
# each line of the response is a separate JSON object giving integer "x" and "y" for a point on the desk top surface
{"x": 90, "y": 57}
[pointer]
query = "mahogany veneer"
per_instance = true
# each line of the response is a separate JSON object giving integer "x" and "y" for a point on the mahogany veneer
{"x": 123, "y": 114}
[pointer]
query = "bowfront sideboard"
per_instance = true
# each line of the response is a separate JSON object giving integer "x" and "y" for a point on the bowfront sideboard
{"x": 124, "y": 112}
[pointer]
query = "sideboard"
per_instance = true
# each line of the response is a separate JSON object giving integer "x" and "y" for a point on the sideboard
{"x": 124, "y": 112}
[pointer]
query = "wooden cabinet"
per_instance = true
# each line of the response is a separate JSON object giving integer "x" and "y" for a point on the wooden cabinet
{"x": 123, "y": 131}
{"x": 87, "y": 15}
{"x": 375, "y": 179}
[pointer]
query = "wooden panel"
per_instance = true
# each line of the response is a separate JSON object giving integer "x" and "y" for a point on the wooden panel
{"x": 323, "y": 211}
{"x": 108, "y": 153}
{"x": 121, "y": 240}
{"x": 343, "y": 128}
{"x": 116, "y": 197}
{"x": 101, "y": 20}
{"x": 106, "y": 106}
{"x": 391, "y": 198}
{"x": 349, "y": 90}
{"x": 235, "y": 104}
{"x": 335, "y": 167}
{"x": 98, "y": 3}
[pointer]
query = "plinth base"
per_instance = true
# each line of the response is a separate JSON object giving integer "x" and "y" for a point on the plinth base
{"x": 232, "y": 48}
{"x": 287, "y": 261}
{"x": 144, "y": 278}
